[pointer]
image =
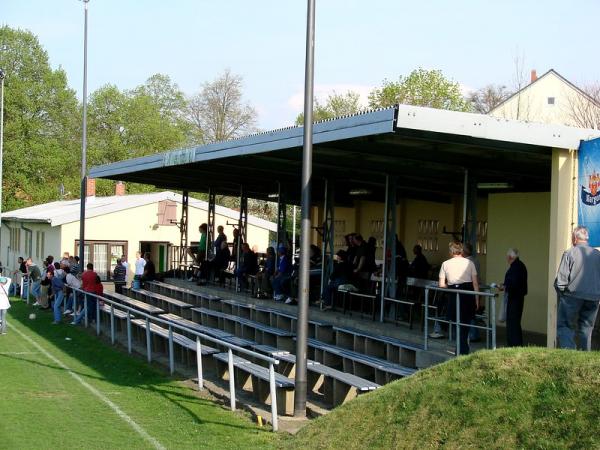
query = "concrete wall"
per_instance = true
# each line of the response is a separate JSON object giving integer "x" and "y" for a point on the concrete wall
{"x": 509, "y": 226}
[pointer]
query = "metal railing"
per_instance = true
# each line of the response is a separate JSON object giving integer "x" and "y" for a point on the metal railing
{"x": 171, "y": 325}
{"x": 490, "y": 328}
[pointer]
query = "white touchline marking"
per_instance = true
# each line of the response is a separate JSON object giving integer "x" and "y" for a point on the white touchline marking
{"x": 19, "y": 353}
{"x": 94, "y": 391}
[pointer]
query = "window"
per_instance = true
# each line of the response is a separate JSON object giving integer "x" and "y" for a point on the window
{"x": 428, "y": 234}
{"x": 28, "y": 243}
{"x": 40, "y": 241}
{"x": 482, "y": 227}
{"x": 551, "y": 100}
{"x": 15, "y": 239}
{"x": 167, "y": 212}
{"x": 103, "y": 255}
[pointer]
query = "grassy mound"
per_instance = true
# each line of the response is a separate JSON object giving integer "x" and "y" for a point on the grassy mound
{"x": 511, "y": 398}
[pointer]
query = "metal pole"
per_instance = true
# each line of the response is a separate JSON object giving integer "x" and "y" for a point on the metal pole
{"x": 426, "y": 321}
{"x": 83, "y": 144}
{"x": 465, "y": 193}
{"x": 85, "y": 308}
{"x": 199, "y": 363}
{"x": 274, "y": 418}
{"x": 385, "y": 239}
{"x": 303, "y": 286}
{"x": 112, "y": 324}
{"x": 325, "y": 239}
{"x": 2, "y": 75}
{"x": 493, "y": 320}
{"x": 231, "y": 380}
{"x": 457, "y": 337}
{"x": 97, "y": 317}
{"x": 171, "y": 355}
{"x": 294, "y": 230}
{"x": 148, "y": 341}
{"x": 129, "y": 331}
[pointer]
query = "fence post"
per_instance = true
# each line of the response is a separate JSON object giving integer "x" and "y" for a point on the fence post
{"x": 85, "y": 308}
{"x": 112, "y": 324}
{"x": 97, "y": 316}
{"x": 199, "y": 363}
{"x": 457, "y": 337}
{"x": 426, "y": 321}
{"x": 129, "y": 331}
{"x": 273, "y": 396}
{"x": 148, "y": 340}
{"x": 171, "y": 355}
{"x": 493, "y": 320}
{"x": 231, "y": 380}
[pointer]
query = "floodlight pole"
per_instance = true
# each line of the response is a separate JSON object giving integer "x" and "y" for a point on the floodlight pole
{"x": 303, "y": 288}
{"x": 2, "y": 75}
{"x": 83, "y": 145}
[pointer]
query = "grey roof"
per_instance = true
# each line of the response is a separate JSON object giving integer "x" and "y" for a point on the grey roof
{"x": 426, "y": 150}
{"x": 67, "y": 211}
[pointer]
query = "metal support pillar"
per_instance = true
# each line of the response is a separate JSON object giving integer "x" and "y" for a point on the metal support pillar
{"x": 304, "y": 284}
{"x": 470, "y": 225}
{"x": 183, "y": 228}
{"x": 242, "y": 229}
{"x": 388, "y": 276}
{"x": 281, "y": 218}
{"x": 210, "y": 222}
{"x": 328, "y": 235}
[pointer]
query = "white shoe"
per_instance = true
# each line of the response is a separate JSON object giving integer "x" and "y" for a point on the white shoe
{"x": 278, "y": 298}
{"x": 191, "y": 279}
{"x": 436, "y": 335}
{"x": 289, "y": 300}
{"x": 68, "y": 311}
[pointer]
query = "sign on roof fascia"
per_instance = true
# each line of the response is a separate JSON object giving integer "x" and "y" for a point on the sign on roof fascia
{"x": 177, "y": 157}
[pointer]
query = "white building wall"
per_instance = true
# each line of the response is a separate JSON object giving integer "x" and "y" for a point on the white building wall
{"x": 531, "y": 104}
{"x": 51, "y": 242}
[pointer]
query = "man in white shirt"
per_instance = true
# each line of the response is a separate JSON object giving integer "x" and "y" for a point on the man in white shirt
{"x": 126, "y": 265}
{"x": 459, "y": 272}
{"x": 140, "y": 263}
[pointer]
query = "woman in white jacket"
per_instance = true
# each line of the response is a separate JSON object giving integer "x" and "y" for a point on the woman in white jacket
{"x": 4, "y": 303}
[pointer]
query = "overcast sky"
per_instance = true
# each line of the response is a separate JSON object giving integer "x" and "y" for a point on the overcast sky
{"x": 358, "y": 43}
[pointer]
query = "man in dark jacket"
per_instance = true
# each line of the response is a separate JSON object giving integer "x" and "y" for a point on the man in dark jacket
{"x": 515, "y": 285}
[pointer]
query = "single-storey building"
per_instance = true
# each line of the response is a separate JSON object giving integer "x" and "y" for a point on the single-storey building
{"x": 116, "y": 225}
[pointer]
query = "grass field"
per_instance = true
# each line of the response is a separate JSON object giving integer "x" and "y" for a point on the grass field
{"x": 504, "y": 399}
{"x": 44, "y": 405}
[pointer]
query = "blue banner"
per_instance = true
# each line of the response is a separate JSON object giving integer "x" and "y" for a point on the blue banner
{"x": 589, "y": 189}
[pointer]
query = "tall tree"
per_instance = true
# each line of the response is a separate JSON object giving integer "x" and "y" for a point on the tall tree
{"x": 218, "y": 112}
{"x": 336, "y": 105}
{"x": 41, "y": 123}
{"x": 485, "y": 99}
{"x": 584, "y": 110}
{"x": 420, "y": 88}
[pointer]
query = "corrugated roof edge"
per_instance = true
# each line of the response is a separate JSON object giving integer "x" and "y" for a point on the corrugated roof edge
{"x": 55, "y": 214}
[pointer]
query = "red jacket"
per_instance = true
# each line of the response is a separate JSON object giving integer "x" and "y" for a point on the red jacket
{"x": 88, "y": 281}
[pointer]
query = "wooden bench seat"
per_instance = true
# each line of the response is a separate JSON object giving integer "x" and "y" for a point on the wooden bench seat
{"x": 385, "y": 347}
{"x": 335, "y": 386}
{"x": 196, "y": 298}
{"x": 137, "y": 304}
{"x": 169, "y": 304}
{"x": 254, "y": 378}
{"x": 118, "y": 313}
{"x": 375, "y": 369}
{"x": 246, "y": 328}
{"x": 186, "y": 345}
